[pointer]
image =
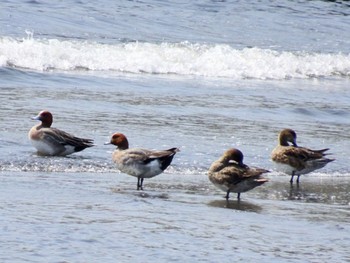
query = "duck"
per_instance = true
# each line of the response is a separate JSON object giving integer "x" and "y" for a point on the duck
{"x": 139, "y": 162}
{"x": 52, "y": 141}
{"x": 230, "y": 174}
{"x": 295, "y": 160}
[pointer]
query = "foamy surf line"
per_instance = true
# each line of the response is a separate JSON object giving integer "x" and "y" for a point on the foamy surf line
{"x": 208, "y": 60}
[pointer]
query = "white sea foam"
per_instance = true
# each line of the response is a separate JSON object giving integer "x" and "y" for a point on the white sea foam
{"x": 212, "y": 60}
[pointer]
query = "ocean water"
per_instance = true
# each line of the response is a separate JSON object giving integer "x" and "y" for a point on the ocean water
{"x": 203, "y": 76}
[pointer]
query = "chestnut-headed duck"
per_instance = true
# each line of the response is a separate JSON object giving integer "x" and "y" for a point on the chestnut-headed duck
{"x": 54, "y": 142}
{"x": 141, "y": 163}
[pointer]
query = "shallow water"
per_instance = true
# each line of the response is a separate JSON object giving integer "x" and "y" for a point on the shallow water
{"x": 203, "y": 78}
{"x": 88, "y": 216}
{"x": 60, "y": 208}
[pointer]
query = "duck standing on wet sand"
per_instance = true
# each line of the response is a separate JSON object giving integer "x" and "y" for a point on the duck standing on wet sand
{"x": 230, "y": 174}
{"x": 141, "y": 163}
{"x": 54, "y": 142}
{"x": 295, "y": 160}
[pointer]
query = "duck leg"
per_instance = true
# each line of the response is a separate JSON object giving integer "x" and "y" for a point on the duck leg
{"x": 139, "y": 183}
{"x": 291, "y": 179}
{"x": 141, "y": 186}
{"x": 227, "y": 194}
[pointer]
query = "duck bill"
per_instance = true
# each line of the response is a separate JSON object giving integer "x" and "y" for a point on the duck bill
{"x": 37, "y": 118}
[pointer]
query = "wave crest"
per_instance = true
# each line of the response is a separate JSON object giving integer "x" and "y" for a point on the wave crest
{"x": 209, "y": 60}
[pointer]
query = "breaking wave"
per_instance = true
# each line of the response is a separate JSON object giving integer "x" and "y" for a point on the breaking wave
{"x": 208, "y": 60}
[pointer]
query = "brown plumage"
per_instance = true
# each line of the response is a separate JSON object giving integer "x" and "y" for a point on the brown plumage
{"x": 230, "y": 174}
{"x": 294, "y": 160}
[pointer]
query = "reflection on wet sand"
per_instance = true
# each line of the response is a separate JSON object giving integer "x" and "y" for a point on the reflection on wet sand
{"x": 143, "y": 194}
{"x": 314, "y": 190}
{"x": 236, "y": 205}
{"x": 300, "y": 193}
